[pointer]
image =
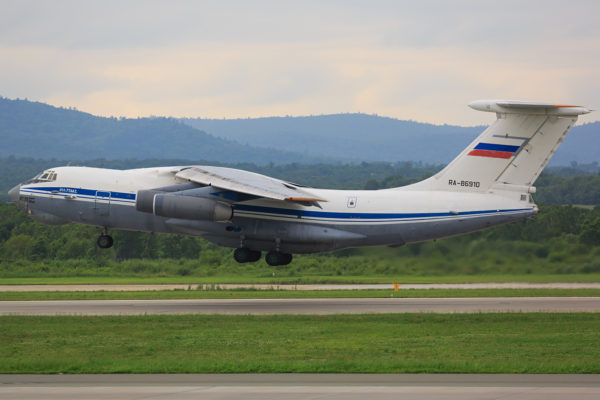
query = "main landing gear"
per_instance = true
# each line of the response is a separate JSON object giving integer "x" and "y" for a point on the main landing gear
{"x": 275, "y": 258}
{"x": 104, "y": 241}
{"x": 244, "y": 255}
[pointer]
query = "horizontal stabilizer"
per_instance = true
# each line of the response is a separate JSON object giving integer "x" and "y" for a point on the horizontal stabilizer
{"x": 527, "y": 107}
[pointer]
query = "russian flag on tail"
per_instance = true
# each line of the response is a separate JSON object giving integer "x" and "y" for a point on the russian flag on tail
{"x": 494, "y": 150}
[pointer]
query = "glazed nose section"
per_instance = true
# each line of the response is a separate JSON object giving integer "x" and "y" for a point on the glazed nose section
{"x": 13, "y": 193}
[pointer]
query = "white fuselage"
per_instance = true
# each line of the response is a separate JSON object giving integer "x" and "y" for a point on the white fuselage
{"x": 349, "y": 218}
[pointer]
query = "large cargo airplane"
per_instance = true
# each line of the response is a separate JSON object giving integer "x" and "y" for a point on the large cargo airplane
{"x": 488, "y": 184}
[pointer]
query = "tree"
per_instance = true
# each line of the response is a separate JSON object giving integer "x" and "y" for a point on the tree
{"x": 590, "y": 231}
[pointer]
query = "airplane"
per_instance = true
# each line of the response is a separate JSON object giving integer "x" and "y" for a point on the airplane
{"x": 490, "y": 183}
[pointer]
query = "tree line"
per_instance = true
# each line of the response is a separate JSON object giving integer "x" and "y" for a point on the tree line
{"x": 561, "y": 239}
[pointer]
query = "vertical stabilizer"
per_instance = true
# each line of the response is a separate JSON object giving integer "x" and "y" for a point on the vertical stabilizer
{"x": 512, "y": 152}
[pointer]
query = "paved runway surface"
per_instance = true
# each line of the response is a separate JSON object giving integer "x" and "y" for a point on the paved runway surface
{"x": 229, "y": 286}
{"x": 302, "y": 306}
{"x": 301, "y": 386}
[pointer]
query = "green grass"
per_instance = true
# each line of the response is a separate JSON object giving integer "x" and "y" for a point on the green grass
{"x": 294, "y": 294}
{"x": 459, "y": 343}
{"x": 304, "y": 279}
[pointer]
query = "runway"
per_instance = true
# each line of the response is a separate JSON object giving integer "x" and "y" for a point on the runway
{"x": 301, "y": 386}
{"x": 302, "y": 306}
{"x": 260, "y": 286}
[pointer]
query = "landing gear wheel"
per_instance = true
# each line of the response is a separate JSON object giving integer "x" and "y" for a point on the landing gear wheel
{"x": 274, "y": 258}
{"x": 244, "y": 255}
{"x": 105, "y": 241}
{"x": 287, "y": 258}
{"x": 254, "y": 255}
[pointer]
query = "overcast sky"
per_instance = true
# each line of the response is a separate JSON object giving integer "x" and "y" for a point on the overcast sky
{"x": 419, "y": 60}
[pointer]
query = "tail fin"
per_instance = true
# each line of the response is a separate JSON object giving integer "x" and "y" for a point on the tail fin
{"x": 512, "y": 152}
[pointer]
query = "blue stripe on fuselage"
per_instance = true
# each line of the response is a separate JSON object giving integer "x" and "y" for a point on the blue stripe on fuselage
{"x": 355, "y": 215}
{"x": 81, "y": 192}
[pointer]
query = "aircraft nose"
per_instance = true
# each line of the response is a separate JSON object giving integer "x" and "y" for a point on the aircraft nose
{"x": 13, "y": 193}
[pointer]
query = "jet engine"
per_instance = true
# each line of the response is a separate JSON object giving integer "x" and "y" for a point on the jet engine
{"x": 178, "y": 205}
{"x": 187, "y": 207}
{"x": 144, "y": 201}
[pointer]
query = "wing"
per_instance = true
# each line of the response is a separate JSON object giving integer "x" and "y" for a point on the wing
{"x": 247, "y": 182}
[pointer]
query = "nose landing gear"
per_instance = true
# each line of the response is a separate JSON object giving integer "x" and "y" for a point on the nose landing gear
{"x": 104, "y": 241}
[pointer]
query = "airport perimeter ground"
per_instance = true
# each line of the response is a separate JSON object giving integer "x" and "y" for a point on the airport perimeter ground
{"x": 393, "y": 342}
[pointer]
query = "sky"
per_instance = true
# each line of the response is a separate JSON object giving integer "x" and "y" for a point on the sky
{"x": 416, "y": 60}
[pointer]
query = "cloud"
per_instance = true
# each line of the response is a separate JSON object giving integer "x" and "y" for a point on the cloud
{"x": 422, "y": 61}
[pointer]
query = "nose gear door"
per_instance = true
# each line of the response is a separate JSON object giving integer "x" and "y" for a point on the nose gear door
{"x": 102, "y": 204}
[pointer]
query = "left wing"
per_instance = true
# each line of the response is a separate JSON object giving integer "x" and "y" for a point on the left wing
{"x": 247, "y": 182}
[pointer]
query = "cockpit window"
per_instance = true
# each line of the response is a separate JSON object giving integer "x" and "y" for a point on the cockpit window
{"x": 46, "y": 176}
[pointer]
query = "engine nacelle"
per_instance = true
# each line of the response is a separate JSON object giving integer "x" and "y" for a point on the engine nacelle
{"x": 188, "y": 207}
{"x": 144, "y": 201}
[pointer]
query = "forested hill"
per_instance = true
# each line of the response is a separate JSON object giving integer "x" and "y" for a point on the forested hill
{"x": 30, "y": 129}
{"x": 40, "y": 131}
{"x": 375, "y": 138}
{"x": 350, "y": 136}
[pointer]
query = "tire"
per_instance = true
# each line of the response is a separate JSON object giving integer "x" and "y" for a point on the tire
{"x": 242, "y": 255}
{"x": 105, "y": 241}
{"x": 275, "y": 258}
{"x": 272, "y": 258}
{"x": 254, "y": 256}
{"x": 245, "y": 255}
{"x": 286, "y": 259}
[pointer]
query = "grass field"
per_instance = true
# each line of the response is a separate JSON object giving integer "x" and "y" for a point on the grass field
{"x": 294, "y": 294}
{"x": 461, "y": 343}
{"x": 305, "y": 279}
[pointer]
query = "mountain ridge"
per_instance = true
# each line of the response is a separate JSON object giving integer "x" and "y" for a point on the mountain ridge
{"x": 39, "y": 130}
{"x": 374, "y": 138}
